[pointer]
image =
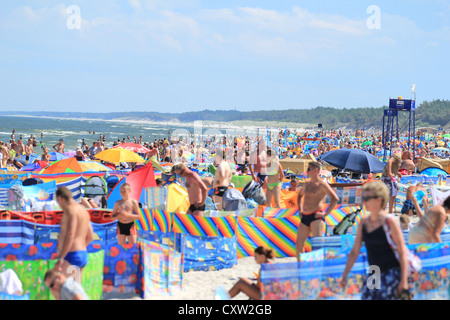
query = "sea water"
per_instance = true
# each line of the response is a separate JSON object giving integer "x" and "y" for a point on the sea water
{"x": 74, "y": 130}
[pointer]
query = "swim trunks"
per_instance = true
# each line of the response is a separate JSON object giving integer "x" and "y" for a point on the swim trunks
{"x": 219, "y": 191}
{"x": 307, "y": 219}
{"x": 392, "y": 185}
{"x": 193, "y": 208}
{"x": 408, "y": 205}
{"x": 126, "y": 229}
{"x": 77, "y": 258}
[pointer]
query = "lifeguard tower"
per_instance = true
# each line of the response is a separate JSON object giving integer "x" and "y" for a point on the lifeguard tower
{"x": 391, "y": 127}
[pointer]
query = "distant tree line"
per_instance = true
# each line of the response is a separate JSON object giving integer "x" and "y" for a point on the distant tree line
{"x": 434, "y": 113}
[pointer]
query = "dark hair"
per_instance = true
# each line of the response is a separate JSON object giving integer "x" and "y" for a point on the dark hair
{"x": 64, "y": 193}
{"x": 264, "y": 251}
{"x": 446, "y": 203}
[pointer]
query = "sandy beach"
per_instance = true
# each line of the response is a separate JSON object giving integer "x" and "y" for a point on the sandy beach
{"x": 201, "y": 285}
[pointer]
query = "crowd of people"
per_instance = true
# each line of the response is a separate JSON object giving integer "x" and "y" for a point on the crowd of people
{"x": 260, "y": 159}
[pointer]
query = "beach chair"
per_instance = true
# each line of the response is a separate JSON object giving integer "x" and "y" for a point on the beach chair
{"x": 96, "y": 189}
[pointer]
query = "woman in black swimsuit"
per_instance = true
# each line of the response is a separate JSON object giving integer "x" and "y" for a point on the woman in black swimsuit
{"x": 393, "y": 272}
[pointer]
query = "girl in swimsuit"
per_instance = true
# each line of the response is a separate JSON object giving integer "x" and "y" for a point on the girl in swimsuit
{"x": 275, "y": 176}
{"x": 246, "y": 286}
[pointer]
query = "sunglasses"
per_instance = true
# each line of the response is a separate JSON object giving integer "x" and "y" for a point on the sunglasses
{"x": 367, "y": 198}
{"x": 310, "y": 168}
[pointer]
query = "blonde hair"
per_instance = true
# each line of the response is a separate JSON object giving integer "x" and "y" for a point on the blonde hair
{"x": 378, "y": 189}
{"x": 404, "y": 218}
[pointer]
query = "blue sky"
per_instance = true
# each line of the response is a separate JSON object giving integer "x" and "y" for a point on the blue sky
{"x": 183, "y": 55}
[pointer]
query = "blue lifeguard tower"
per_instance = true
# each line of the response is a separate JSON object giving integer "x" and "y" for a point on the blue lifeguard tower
{"x": 391, "y": 127}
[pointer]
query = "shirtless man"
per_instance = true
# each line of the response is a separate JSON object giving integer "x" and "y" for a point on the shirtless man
{"x": 222, "y": 177}
{"x": 411, "y": 204}
{"x": 407, "y": 166}
{"x": 123, "y": 211}
{"x": 59, "y": 147}
{"x": 20, "y": 148}
{"x": 389, "y": 173}
{"x": 258, "y": 163}
{"x": 29, "y": 149}
{"x": 75, "y": 235}
{"x": 429, "y": 227}
{"x": 311, "y": 199}
{"x": 197, "y": 190}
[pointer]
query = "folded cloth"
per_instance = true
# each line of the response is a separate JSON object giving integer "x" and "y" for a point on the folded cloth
{"x": 10, "y": 283}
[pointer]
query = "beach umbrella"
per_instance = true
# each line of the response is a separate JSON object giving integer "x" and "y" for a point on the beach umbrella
{"x": 133, "y": 147}
{"x": 55, "y": 156}
{"x": 117, "y": 155}
{"x": 367, "y": 143}
{"x": 447, "y": 135}
{"x": 93, "y": 166}
{"x": 69, "y": 165}
{"x": 354, "y": 160}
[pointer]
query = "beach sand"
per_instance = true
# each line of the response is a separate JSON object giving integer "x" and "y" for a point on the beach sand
{"x": 201, "y": 285}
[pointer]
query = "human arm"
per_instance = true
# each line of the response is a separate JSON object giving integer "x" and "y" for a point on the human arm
{"x": 68, "y": 237}
{"x": 419, "y": 210}
{"x": 280, "y": 172}
{"x": 353, "y": 255}
{"x": 299, "y": 200}
{"x": 252, "y": 172}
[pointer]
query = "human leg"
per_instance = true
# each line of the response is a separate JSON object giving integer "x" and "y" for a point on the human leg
{"x": 247, "y": 287}
{"x": 302, "y": 234}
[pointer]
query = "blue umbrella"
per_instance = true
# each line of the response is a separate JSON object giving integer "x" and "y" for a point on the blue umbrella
{"x": 55, "y": 156}
{"x": 354, "y": 160}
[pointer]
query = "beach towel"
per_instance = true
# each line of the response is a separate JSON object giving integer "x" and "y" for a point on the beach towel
{"x": 10, "y": 283}
{"x": 439, "y": 196}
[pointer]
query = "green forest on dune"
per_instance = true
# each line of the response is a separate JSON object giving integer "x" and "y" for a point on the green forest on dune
{"x": 435, "y": 113}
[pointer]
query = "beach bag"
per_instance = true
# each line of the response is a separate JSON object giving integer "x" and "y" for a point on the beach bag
{"x": 414, "y": 262}
{"x": 253, "y": 190}
{"x": 233, "y": 200}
